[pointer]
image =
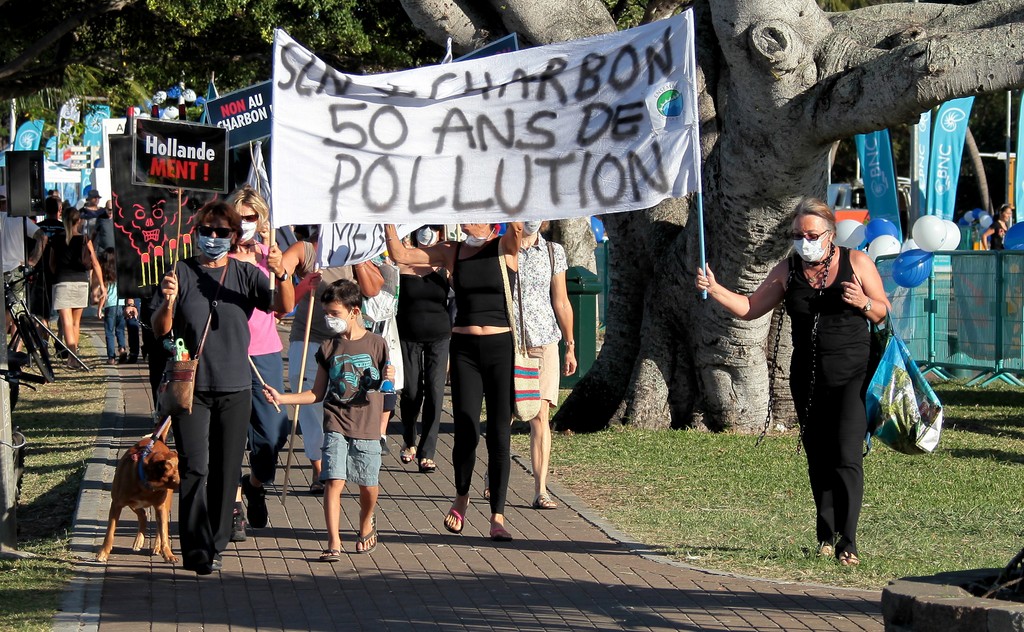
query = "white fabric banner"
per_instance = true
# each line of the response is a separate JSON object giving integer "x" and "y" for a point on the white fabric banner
{"x": 349, "y": 244}
{"x": 599, "y": 125}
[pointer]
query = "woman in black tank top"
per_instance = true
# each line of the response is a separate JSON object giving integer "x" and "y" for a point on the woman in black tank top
{"x": 481, "y": 353}
{"x": 425, "y": 331}
{"x": 831, "y": 293}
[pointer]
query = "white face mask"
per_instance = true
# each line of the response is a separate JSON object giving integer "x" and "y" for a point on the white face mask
{"x": 531, "y": 228}
{"x": 335, "y": 325}
{"x": 478, "y": 241}
{"x": 810, "y": 251}
{"x": 426, "y": 237}
{"x": 248, "y": 231}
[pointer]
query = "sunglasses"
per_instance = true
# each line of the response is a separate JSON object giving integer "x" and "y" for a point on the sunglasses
{"x": 808, "y": 236}
{"x": 220, "y": 231}
{"x": 251, "y": 218}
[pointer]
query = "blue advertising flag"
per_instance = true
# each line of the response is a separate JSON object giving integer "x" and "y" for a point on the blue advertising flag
{"x": 875, "y": 153}
{"x": 924, "y": 143}
{"x": 28, "y": 136}
{"x": 947, "y": 150}
{"x": 93, "y": 134}
{"x": 1018, "y": 188}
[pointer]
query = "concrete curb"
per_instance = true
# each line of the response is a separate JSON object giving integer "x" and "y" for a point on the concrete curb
{"x": 79, "y": 607}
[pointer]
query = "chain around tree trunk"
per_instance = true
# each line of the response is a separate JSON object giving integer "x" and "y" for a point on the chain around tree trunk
{"x": 814, "y": 364}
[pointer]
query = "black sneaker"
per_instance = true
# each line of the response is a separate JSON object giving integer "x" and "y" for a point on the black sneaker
{"x": 256, "y": 503}
{"x": 238, "y": 526}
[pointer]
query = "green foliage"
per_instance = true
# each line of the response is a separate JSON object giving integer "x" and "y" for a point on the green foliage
{"x": 719, "y": 501}
{"x": 149, "y": 45}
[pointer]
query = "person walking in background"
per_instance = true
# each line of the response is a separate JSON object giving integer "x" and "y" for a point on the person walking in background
{"x": 831, "y": 293}
{"x": 111, "y": 310}
{"x": 425, "y": 330}
{"x": 206, "y": 301}
{"x": 993, "y": 237}
{"x": 351, "y": 364}
{"x": 268, "y": 426}
{"x": 41, "y": 303}
{"x": 482, "y": 356}
{"x": 546, "y": 318}
{"x": 300, "y": 260}
{"x": 71, "y": 261}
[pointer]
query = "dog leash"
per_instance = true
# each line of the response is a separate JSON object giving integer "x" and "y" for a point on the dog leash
{"x": 140, "y": 457}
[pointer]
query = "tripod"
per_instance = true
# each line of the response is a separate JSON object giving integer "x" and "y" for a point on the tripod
{"x": 27, "y": 327}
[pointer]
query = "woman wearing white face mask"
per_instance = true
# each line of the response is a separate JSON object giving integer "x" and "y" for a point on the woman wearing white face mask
{"x": 425, "y": 331}
{"x": 268, "y": 427}
{"x": 206, "y": 301}
{"x": 481, "y": 356}
{"x": 831, "y": 293}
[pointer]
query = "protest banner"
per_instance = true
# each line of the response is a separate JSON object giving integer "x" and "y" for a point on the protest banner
{"x": 245, "y": 113}
{"x": 180, "y": 155}
{"x": 149, "y": 235}
{"x": 598, "y": 125}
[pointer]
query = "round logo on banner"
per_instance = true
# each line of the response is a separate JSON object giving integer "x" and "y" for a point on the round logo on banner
{"x": 879, "y": 187}
{"x": 670, "y": 102}
{"x": 951, "y": 117}
{"x": 28, "y": 139}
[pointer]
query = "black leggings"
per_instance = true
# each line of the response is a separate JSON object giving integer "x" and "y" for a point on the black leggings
{"x": 833, "y": 438}
{"x": 481, "y": 370}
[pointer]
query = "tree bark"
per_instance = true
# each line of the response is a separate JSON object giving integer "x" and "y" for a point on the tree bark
{"x": 971, "y": 147}
{"x": 780, "y": 82}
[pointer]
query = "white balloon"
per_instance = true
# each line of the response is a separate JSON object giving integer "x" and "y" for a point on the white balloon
{"x": 951, "y": 240}
{"x": 170, "y": 114}
{"x": 985, "y": 221}
{"x": 929, "y": 232}
{"x": 189, "y": 95}
{"x": 159, "y": 97}
{"x": 883, "y": 245}
{"x": 909, "y": 244}
{"x": 849, "y": 233}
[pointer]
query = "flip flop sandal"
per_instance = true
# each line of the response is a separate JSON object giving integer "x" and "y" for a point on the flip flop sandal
{"x": 316, "y": 488}
{"x": 363, "y": 539}
{"x": 543, "y": 501}
{"x": 427, "y": 466}
{"x": 847, "y": 558}
{"x": 499, "y": 534}
{"x": 462, "y": 521}
{"x": 408, "y": 455}
{"x": 330, "y": 555}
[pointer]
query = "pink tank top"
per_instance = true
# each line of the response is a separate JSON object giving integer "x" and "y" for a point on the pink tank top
{"x": 263, "y": 336}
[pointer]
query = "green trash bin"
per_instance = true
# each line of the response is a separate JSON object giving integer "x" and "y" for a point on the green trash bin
{"x": 584, "y": 290}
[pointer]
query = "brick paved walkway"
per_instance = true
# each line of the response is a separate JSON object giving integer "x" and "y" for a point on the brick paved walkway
{"x": 561, "y": 573}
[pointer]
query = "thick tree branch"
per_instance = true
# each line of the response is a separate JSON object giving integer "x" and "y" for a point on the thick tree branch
{"x": 467, "y": 24}
{"x": 34, "y": 51}
{"x": 890, "y": 25}
{"x": 574, "y": 19}
{"x": 896, "y": 87}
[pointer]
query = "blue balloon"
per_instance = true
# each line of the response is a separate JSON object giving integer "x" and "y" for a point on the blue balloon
{"x": 878, "y": 227}
{"x": 1014, "y": 238}
{"x": 912, "y": 268}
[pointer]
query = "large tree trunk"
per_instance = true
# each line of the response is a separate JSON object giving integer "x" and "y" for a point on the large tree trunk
{"x": 781, "y": 82}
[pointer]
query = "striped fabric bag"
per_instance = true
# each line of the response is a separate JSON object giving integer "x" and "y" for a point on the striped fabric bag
{"x": 525, "y": 370}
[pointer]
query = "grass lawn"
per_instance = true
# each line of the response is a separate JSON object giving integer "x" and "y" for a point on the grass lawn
{"x": 60, "y": 421}
{"x": 716, "y": 501}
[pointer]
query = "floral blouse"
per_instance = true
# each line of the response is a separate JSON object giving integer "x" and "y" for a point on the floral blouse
{"x": 535, "y": 273}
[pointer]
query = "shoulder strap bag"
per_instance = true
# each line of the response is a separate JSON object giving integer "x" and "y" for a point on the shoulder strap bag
{"x": 177, "y": 386}
{"x": 526, "y": 400}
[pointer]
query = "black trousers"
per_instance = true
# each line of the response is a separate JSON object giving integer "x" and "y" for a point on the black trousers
{"x": 833, "y": 438}
{"x": 482, "y": 372}
{"x": 210, "y": 443}
{"x": 425, "y": 365}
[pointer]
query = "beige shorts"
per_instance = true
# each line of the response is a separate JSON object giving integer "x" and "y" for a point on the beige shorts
{"x": 550, "y": 370}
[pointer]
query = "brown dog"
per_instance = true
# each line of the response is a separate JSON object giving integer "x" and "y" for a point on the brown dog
{"x": 146, "y": 476}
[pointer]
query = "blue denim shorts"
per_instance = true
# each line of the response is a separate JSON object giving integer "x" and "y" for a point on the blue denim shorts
{"x": 353, "y": 460}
